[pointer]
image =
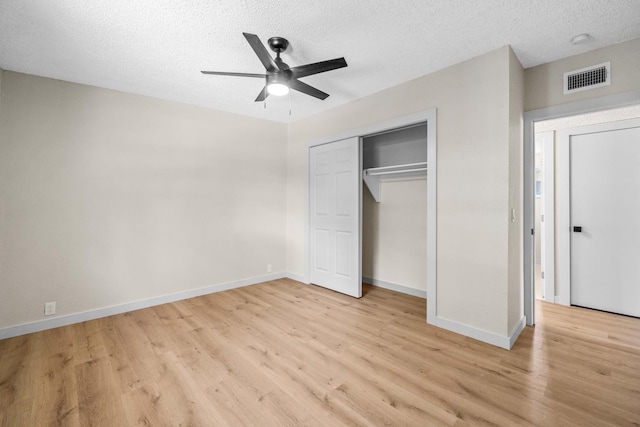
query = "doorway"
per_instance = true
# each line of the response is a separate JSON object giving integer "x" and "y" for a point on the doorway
{"x": 610, "y": 108}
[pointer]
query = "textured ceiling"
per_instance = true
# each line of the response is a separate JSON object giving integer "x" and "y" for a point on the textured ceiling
{"x": 158, "y": 47}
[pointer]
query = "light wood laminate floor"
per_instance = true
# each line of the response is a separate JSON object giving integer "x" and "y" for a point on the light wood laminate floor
{"x": 283, "y": 353}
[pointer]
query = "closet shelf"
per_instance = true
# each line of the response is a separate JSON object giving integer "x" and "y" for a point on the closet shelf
{"x": 372, "y": 176}
{"x": 397, "y": 169}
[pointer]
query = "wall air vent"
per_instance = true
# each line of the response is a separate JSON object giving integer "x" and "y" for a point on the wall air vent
{"x": 587, "y": 78}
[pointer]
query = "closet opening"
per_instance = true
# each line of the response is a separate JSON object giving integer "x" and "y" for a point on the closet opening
{"x": 371, "y": 208}
{"x": 394, "y": 209}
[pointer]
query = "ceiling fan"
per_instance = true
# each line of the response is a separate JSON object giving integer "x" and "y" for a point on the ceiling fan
{"x": 279, "y": 77}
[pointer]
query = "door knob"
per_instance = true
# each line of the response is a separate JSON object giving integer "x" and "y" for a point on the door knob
{"x": 577, "y": 229}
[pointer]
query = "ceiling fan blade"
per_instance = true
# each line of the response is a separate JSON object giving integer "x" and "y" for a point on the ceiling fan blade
{"x": 318, "y": 67}
{"x": 263, "y": 95}
{"x": 224, "y": 73}
{"x": 257, "y": 46}
{"x": 309, "y": 90}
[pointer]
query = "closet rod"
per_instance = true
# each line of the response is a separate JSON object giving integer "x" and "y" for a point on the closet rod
{"x": 408, "y": 165}
{"x": 398, "y": 171}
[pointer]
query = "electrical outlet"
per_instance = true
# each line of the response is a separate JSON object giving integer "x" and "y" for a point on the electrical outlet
{"x": 49, "y": 308}
{"x": 268, "y": 268}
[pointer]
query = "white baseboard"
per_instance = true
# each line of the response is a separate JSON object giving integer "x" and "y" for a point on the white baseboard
{"x": 394, "y": 287}
{"x": 498, "y": 340}
{"x": 517, "y": 330}
{"x": 296, "y": 277}
{"x": 68, "y": 319}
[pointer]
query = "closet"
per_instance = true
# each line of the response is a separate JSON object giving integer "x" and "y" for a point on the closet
{"x": 372, "y": 207}
{"x": 394, "y": 209}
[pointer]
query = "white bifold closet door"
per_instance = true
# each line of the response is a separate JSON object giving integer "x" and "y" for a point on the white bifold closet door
{"x": 335, "y": 181}
{"x": 605, "y": 220}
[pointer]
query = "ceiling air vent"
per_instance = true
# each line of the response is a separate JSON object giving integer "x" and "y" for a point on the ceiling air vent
{"x": 587, "y": 78}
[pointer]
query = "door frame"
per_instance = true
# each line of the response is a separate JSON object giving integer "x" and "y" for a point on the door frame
{"x": 428, "y": 116}
{"x": 547, "y": 238}
{"x": 529, "y": 118}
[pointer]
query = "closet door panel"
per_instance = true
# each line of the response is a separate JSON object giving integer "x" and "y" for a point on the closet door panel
{"x": 335, "y": 216}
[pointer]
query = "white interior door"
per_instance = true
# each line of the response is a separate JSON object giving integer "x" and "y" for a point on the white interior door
{"x": 605, "y": 219}
{"x": 335, "y": 216}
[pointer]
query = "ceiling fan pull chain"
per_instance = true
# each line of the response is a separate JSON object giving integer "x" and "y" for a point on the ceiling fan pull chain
{"x": 289, "y": 103}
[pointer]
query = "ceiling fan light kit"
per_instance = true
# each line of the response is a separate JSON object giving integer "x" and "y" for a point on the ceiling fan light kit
{"x": 277, "y": 84}
{"x": 279, "y": 77}
{"x": 278, "y": 89}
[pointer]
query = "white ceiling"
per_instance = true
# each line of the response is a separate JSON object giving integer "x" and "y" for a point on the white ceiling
{"x": 158, "y": 47}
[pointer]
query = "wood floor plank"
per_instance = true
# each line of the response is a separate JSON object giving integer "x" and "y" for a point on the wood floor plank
{"x": 19, "y": 376}
{"x": 98, "y": 405}
{"x": 283, "y": 353}
{"x": 57, "y": 392}
{"x": 141, "y": 409}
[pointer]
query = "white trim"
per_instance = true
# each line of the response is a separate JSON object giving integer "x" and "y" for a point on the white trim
{"x": 297, "y": 278}
{"x": 571, "y": 109}
{"x": 528, "y": 218}
{"x": 549, "y": 158}
{"x": 399, "y": 122}
{"x": 394, "y": 287}
{"x": 517, "y": 330}
{"x": 432, "y": 214}
{"x": 488, "y": 337}
{"x": 547, "y": 240}
{"x": 360, "y": 220}
{"x": 69, "y": 319}
{"x": 564, "y": 220}
{"x": 307, "y": 219}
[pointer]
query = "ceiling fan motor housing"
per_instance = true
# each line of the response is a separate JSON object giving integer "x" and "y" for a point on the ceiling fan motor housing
{"x": 278, "y": 44}
{"x": 282, "y": 77}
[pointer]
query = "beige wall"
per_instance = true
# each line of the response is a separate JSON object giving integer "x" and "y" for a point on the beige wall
{"x": 543, "y": 84}
{"x": 516, "y": 104}
{"x": 108, "y": 198}
{"x": 474, "y": 107}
